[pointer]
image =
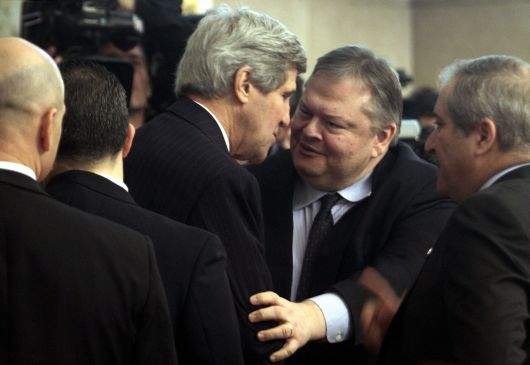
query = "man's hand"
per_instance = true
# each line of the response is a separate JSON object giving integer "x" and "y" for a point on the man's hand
{"x": 298, "y": 322}
{"x": 377, "y": 312}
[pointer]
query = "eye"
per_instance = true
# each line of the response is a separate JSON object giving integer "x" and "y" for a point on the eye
{"x": 287, "y": 96}
{"x": 302, "y": 111}
{"x": 332, "y": 125}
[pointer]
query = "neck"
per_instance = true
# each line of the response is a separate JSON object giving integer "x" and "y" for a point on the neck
{"x": 108, "y": 166}
{"x": 485, "y": 167}
{"x": 502, "y": 161}
{"x": 20, "y": 157}
{"x": 223, "y": 110}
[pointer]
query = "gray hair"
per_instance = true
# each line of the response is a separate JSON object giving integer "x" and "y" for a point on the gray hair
{"x": 227, "y": 39}
{"x": 495, "y": 87}
{"x": 386, "y": 103}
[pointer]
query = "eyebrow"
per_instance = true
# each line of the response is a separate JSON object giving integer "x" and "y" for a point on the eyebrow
{"x": 329, "y": 116}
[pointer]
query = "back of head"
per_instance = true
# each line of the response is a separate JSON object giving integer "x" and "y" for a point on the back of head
{"x": 386, "y": 103}
{"x": 495, "y": 87}
{"x": 30, "y": 82}
{"x": 227, "y": 39}
{"x": 95, "y": 123}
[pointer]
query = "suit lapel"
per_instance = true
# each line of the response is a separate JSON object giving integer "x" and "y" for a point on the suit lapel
{"x": 199, "y": 117}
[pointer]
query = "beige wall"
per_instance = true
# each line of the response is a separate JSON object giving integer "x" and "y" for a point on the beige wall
{"x": 322, "y": 25}
{"x": 9, "y": 17}
{"x": 452, "y": 29}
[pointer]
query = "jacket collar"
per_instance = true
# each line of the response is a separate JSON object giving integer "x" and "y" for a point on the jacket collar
{"x": 199, "y": 117}
{"x": 90, "y": 181}
{"x": 20, "y": 181}
{"x": 522, "y": 172}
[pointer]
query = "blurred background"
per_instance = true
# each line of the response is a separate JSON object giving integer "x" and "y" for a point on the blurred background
{"x": 418, "y": 38}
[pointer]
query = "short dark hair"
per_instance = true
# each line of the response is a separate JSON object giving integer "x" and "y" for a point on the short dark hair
{"x": 96, "y": 119}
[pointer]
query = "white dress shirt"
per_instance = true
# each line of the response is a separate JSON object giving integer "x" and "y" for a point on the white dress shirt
{"x": 17, "y": 167}
{"x": 306, "y": 205}
{"x": 223, "y": 131}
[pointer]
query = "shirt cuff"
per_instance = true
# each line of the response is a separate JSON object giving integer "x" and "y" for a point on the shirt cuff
{"x": 336, "y": 316}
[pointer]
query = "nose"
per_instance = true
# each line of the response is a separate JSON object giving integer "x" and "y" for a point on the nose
{"x": 310, "y": 128}
{"x": 431, "y": 142}
{"x": 286, "y": 117}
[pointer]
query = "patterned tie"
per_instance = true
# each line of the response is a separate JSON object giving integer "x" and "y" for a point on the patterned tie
{"x": 320, "y": 227}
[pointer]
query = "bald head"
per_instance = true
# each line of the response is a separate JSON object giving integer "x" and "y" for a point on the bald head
{"x": 30, "y": 82}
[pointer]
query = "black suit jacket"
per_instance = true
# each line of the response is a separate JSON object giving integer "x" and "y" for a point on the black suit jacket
{"x": 179, "y": 166}
{"x": 191, "y": 261}
{"x": 75, "y": 288}
{"x": 391, "y": 230}
{"x": 471, "y": 302}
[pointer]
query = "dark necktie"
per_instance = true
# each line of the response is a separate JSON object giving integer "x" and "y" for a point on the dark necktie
{"x": 320, "y": 227}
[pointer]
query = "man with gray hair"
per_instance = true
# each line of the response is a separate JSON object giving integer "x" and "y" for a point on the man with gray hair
{"x": 346, "y": 197}
{"x": 471, "y": 302}
{"x": 234, "y": 82}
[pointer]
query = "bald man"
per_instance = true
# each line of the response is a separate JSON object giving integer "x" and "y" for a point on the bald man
{"x": 74, "y": 288}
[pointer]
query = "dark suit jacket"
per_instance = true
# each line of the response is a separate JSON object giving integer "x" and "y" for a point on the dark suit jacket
{"x": 191, "y": 261}
{"x": 391, "y": 230}
{"x": 179, "y": 166}
{"x": 471, "y": 302}
{"x": 75, "y": 288}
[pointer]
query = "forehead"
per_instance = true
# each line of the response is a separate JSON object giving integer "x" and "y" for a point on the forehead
{"x": 440, "y": 108}
{"x": 345, "y": 96}
{"x": 290, "y": 81}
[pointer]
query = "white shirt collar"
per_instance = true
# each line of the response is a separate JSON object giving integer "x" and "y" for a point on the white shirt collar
{"x": 223, "y": 131}
{"x": 17, "y": 167}
{"x": 305, "y": 195}
{"x": 498, "y": 175}
{"x": 120, "y": 183}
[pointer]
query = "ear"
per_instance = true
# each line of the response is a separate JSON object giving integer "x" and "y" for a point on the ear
{"x": 46, "y": 130}
{"x": 242, "y": 84}
{"x": 383, "y": 138}
{"x": 128, "y": 140}
{"x": 485, "y": 134}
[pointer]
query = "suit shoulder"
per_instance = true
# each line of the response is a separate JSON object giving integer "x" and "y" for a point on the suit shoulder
{"x": 191, "y": 235}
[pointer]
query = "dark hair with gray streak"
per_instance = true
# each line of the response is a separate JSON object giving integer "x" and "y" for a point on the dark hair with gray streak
{"x": 386, "y": 103}
{"x": 495, "y": 87}
{"x": 227, "y": 39}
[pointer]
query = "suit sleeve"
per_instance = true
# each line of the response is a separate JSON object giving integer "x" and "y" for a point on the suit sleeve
{"x": 401, "y": 257}
{"x": 210, "y": 310}
{"x": 231, "y": 208}
{"x": 485, "y": 291}
{"x": 154, "y": 339}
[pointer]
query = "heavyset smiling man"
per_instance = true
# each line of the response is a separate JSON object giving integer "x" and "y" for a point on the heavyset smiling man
{"x": 387, "y": 213}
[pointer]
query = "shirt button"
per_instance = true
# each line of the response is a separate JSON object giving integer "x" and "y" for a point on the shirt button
{"x": 338, "y": 337}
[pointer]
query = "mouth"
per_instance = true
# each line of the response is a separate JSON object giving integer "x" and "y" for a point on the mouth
{"x": 308, "y": 150}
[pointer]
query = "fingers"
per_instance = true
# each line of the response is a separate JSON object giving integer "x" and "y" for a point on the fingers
{"x": 290, "y": 347}
{"x": 275, "y": 313}
{"x": 372, "y": 280}
{"x": 267, "y": 298}
{"x": 368, "y": 314}
{"x": 282, "y": 331}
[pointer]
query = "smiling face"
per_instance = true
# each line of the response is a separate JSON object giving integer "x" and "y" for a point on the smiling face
{"x": 332, "y": 139}
{"x": 265, "y": 114}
